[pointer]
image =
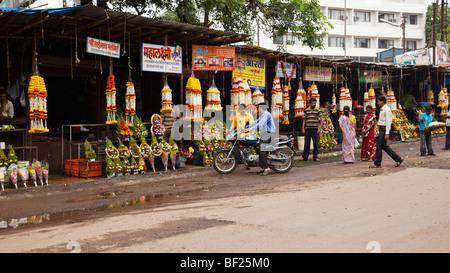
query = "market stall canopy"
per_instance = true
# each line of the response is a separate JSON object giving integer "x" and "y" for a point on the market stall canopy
{"x": 61, "y": 25}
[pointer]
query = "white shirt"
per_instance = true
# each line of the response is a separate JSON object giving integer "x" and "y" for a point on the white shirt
{"x": 385, "y": 118}
{"x": 8, "y": 110}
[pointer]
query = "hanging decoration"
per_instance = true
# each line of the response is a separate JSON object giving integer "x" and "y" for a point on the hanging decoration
{"x": 391, "y": 101}
{"x": 236, "y": 90}
{"x": 315, "y": 94}
{"x": 213, "y": 102}
{"x": 194, "y": 99}
{"x": 342, "y": 100}
{"x": 299, "y": 106}
{"x": 166, "y": 99}
{"x": 366, "y": 100}
{"x": 247, "y": 95}
{"x": 257, "y": 96}
{"x": 443, "y": 102}
{"x": 37, "y": 94}
{"x": 111, "y": 101}
{"x": 277, "y": 99}
{"x": 130, "y": 104}
{"x": 333, "y": 103}
{"x": 372, "y": 98}
{"x": 430, "y": 96}
{"x": 286, "y": 90}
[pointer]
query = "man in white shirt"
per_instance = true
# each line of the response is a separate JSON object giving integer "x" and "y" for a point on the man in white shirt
{"x": 6, "y": 109}
{"x": 384, "y": 124}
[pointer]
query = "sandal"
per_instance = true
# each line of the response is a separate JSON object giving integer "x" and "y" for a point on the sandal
{"x": 399, "y": 163}
{"x": 316, "y": 159}
{"x": 374, "y": 166}
{"x": 302, "y": 159}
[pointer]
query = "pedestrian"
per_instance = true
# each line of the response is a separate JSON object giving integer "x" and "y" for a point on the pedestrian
{"x": 447, "y": 137}
{"x": 384, "y": 124}
{"x": 347, "y": 123}
{"x": 267, "y": 129}
{"x": 425, "y": 137}
{"x": 311, "y": 128}
{"x": 368, "y": 135}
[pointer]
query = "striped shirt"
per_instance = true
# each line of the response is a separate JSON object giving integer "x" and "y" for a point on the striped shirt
{"x": 312, "y": 118}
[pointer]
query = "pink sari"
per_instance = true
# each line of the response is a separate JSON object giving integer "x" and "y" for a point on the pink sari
{"x": 368, "y": 145}
{"x": 348, "y": 126}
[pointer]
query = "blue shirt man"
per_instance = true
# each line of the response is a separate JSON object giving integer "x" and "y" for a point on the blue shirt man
{"x": 425, "y": 137}
{"x": 425, "y": 120}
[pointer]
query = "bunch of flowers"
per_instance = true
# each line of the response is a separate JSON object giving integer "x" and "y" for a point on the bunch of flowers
{"x": 187, "y": 153}
{"x": 40, "y": 175}
{"x": 12, "y": 157}
{"x": 111, "y": 150}
{"x": 127, "y": 167}
{"x": 123, "y": 150}
{"x": 145, "y": 149}
{"x": 32, "y": 173}
{"x": 123, "y": 129}
{"x": 401, "y": 124}
{"x": 89, "y": 152}
{"x": 110, "y": 167}
{"x": 45, "y": 168}
{"x": 110, "y": 100}
{"x": 142, "y": 166}
{"x": 134, "y": 148}
{"x": 3, "y": 159}
{"x": 119, "y": 167}
{"x": 155, "y": 147}
{"x": 139, "y": 130}
{"x": 157, "y": 125}
{"x": 12, "y": 169}
{"x": 207, "y": 159}
{"x": 134, "y": 166}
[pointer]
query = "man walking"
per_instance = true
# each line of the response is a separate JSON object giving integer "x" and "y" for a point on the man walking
{"x": 311, "y": 128}
{"x": 384, "y": 124}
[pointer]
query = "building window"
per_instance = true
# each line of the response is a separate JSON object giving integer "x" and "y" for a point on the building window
{"x": 362, "y": 42}
{"x": 385, "y": 43}
{"x": 387, "y": 16}
{"x": 277, "y": 40}
{"x": 411, "y": 19}
{"x": 290, "y": 40}
{"x": 411, "y": 45}
{"x": 335, "y": 42}
{"x": 362, "y": 16}
{"x": 336, "y": 14}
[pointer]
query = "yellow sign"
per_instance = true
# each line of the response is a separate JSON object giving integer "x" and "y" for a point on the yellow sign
{"x": 252, "y": 70}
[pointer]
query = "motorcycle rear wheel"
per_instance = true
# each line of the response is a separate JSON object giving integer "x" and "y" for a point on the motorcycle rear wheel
{"x": 286, "y": 167}
{"x": 220, "y": 165}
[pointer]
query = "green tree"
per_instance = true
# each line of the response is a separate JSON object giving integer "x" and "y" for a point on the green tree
{"x": 429, "y": 24}
{"x": 302, "y": 18}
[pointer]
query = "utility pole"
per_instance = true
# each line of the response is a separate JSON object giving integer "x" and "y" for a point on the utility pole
{"x": 442, "y": 21}
{"x": 433, "y": 31}
{"x": 403, "y": 25}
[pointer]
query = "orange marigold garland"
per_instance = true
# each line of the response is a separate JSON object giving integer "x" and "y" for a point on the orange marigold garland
{"x": 37, "y": 94}
{"x": 111, "y": 101}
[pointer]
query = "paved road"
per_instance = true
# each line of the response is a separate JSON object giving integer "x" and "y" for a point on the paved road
{"x": 330, "y": 207}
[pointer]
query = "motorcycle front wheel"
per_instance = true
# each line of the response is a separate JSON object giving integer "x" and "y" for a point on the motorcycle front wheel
{"x": 221, "y": 164}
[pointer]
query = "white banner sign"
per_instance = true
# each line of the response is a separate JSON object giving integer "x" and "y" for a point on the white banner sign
{"x": 105, "y": 48}
{"x": 158, "y": 58}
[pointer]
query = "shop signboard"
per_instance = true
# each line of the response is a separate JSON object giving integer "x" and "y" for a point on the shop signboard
{"x": 288, "y": 66}
{"x": 442, "y": 53}
{"x": 417, "y": 57}
{"x": 163, "y": 59}
{"x": 252, "y": 70}
{"x": 370, "y": 76}
{"x": 101, "y": 47}
{"x": 318, "y": 74}
{"x": 216, "y": 58}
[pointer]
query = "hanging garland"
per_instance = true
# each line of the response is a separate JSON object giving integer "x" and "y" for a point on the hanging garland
{"x": 286, "y": 90}
{"x": 315, "y": 94}
{"x": 391, "y": 101}
{"x": 194, "y": 99}
{"x": 111, "y": 101}
{"x": 130, "y": 104}
{"x": 166, "y": 99}
{"x": 247, "y": 94}
{"x": 277, "y": 98}
{"x": 257, "y": 96}
{"x": 299, "y": 106}
{"x": 236, "y": 89}
{"x": 443, "y": 101}
{"x": 37, "y": 94}
{"x": 213, "y": 102}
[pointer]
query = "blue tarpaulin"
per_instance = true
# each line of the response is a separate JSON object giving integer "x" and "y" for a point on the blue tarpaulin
{"x": 59, "y": 11}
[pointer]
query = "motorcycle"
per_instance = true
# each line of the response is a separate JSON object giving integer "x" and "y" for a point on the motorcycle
{"x": 279, "y": 158}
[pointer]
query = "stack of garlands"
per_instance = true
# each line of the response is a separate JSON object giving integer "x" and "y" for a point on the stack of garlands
{"x": 315, "y": 94}
{"x": 213, "y": 102}
{"x": 277, "y": 98}
{"x": 247, "y": 94}
{"x": 299, "y": 106}
{"x": 443, "y": 102}
{"x": 110, "y": 100}
{"x": 430, "y": 95}
{"x": 166, "y": 99}
{"x": 37, "y": 94}
{"x": 194, "y": 99}
{"x": 257, "y": 96}
{"x": 391, "y": 101}
{"x": 89, "y": 152}
{"x": 130, "y": 104}
{"x": 286, "y": 90}
{"x": 236, "y": 89}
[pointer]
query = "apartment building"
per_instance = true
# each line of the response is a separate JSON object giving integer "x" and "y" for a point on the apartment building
{"x": 362, "y": 28}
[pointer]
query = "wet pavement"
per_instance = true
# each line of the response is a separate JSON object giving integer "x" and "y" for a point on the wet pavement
{"x": 68, "y": 198}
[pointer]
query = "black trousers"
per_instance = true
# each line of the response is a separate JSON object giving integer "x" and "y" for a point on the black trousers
{"x": 314, "y": 135}
{"x": 447, "y": 138}
{"x": 382, "y": 145}
{"x": 263, "y": 152}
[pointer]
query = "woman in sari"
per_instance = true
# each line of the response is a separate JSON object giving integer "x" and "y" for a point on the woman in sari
{"x": 347, "y": 123}
{"x": 368, "y": 134}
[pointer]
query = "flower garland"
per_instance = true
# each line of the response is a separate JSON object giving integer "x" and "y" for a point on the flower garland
{"x": 257, "y": 97}
{"x": 89, "y": 152}
{"x": 286, "y": 104}
{"x": 130, "y": 104}
{"x": 37, "y": 94}
{"x": 430, "y": 96}
{"x": 299, "y": 106}
{"x": 166, "y": 99}
{"x": 213, "y": 102}
{"x": 315, "y": 94}
{"x": 443, "y": 101}
{"x": 236, "y": 90}
{"x": 288, "y": 77}
{"x": 391, "y": 101}
{"x": 247, "y": 94}
{"x": 345, "y": 99}
{"x": 372, "y": 98}
{"x": 333, "y": 104}
{"x": 194, "y": 99}
{"x": 277, "y": 98}
{"x": 110, "y": 100}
